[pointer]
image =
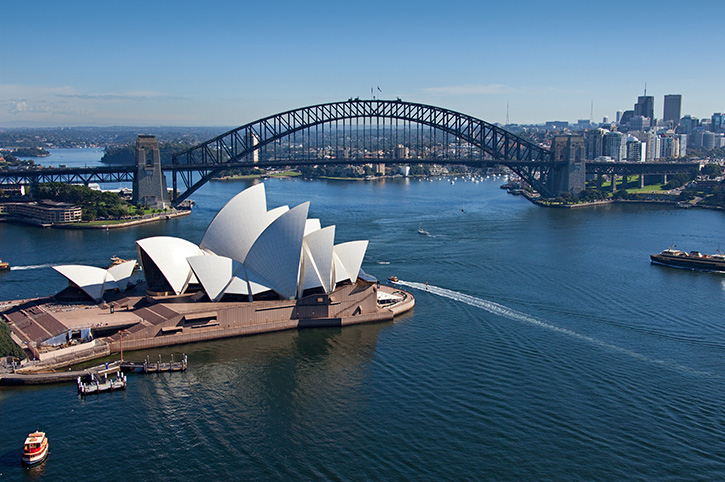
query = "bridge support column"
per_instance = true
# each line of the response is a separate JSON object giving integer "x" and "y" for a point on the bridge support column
{"x": 599, "y": 181}
{"x": 641, "y": 180}
{"x": 149, "y": 184}
{"x": 614, "y": 183}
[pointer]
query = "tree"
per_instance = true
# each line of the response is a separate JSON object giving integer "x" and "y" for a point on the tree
{"x": 711, "y": 170}
{"x": 7, "y": 345}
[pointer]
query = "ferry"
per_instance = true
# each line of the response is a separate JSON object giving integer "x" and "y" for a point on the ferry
{"x": 35, "y": 449}
{"x": 4, "y": 265}
{"x": 115, "y": 261}
{"x": 692, "y": 260}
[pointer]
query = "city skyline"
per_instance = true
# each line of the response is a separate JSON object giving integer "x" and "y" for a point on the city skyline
{"x": 171, "y": 63}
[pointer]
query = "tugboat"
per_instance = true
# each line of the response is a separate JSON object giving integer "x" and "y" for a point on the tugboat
{"x": 35, "y": 449}
{"x": 692, "y": 260}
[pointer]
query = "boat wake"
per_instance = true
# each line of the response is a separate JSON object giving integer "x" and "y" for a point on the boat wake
{"x": 32, "y": 266}
{"x": 511, "y": 314}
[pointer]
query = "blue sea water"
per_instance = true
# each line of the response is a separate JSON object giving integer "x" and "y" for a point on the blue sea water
{"x": 546, "y": 347}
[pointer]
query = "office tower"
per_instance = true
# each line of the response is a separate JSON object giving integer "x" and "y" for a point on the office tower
{"x": 645, "y": 106}
{"x": 673, "y": 108}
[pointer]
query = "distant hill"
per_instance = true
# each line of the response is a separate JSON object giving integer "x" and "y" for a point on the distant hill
{"x": 73, "y": 137}
{"x": 124, "y": 155}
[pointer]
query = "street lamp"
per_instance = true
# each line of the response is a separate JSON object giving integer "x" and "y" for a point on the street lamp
{"x": 121, "y": 333}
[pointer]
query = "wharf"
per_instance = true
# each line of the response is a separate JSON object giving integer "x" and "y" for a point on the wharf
{"x": 133, "y": 322}
{"x": 22, "y": 379}
{"x": 155, "y": 367}
{"x": 99, "y": 385}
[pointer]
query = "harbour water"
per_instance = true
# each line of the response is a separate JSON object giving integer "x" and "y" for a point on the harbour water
{"x": 545, "y": 347}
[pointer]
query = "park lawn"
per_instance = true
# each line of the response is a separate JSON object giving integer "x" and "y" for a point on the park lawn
{"x": 290, "y": 173}
{"x": 653, "y": 188}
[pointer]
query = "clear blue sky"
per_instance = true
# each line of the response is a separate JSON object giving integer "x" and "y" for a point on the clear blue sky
{"x": 225, "y": 63}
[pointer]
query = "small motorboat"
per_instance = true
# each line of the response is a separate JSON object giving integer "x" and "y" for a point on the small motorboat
{"x": 394, "y": 279}
{"x": 4, "y": 265}
{"x": 35, "y": 449}
{"x": 115, "y": 261}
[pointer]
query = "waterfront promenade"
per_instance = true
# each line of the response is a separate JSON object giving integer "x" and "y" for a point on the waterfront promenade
{"x": 133, "y": 321}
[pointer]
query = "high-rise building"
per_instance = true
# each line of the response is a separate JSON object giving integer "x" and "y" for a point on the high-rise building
{"x": 683, "y": 144}
{"x": 615, "y": 144}
{"x": 639, "y": 123}
{"x": 688, "y": 124}
{"x": 652, "y": 142}
{"x": 636, "y": 150}
{"x": 717, "y": 122}
{"x": 595, "y": 143}
{"x": 673, "y": 108}
{"x": 669, "y": 147}
{"x": 645, "y": 106}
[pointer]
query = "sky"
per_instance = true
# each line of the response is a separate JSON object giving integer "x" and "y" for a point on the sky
{"x": 227, "y": 63}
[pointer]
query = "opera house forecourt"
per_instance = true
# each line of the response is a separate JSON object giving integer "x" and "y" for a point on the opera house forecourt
{"x": 255, "y": 271}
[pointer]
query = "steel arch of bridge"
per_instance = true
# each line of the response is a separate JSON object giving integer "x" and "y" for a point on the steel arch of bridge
{"x": 530, "y": 161}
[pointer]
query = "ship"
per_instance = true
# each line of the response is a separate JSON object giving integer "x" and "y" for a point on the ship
{"x": 692, "y": 260}
{"x": 4, "y": 265}
{"x": 35, "y": 449}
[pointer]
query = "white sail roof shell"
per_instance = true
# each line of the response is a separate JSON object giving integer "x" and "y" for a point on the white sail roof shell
{"x": 90, "y": 279}
{"x": 275, "y": 256}
{"x": 317, "y": 259}
{"x": 349, "y": 258}
{"x": 239, "y": 285}
{"x": 214, "y": 273}
{"x": 169, "y": 254}
{"x": 249, "y": 250}
{"x": 237, "y": 226}
{"x": 312, "y": 225}
{"x": 121, "y": 273}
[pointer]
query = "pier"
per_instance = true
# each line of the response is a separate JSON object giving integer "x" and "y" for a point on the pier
{"x": 99, "y": 385}
{"x": 155, "y": 367}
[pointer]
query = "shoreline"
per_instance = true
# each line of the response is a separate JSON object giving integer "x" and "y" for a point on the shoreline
{"x": 79, "y": 226}
{"x": 125, "y": 224}
{"x": 678, "y": 204}
{"x": 142, "y": 322}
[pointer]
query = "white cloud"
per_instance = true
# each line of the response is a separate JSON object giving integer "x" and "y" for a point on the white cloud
{"x": 20, "y": 105}
{"x": 29, "y": 104}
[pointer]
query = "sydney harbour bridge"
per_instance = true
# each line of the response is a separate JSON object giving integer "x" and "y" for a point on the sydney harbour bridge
{"x": 358, "y": 132}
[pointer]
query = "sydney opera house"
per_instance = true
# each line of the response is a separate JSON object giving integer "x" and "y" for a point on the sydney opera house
{"x": 255, "y": 270}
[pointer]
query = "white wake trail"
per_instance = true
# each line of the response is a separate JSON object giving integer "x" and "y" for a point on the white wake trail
{"x": 32, "y": 266}
{"x": 511, "y": 314}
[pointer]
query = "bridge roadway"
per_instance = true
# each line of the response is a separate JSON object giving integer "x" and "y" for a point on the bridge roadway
{"x": 118, "y": 174}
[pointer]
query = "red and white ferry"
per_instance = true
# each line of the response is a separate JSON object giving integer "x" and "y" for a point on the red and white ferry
{"x": 35, "y": 449}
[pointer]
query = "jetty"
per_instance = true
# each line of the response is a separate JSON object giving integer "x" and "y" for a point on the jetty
{"x": 46, "y": 378}
{"x": 155, "y": 367}
{"x": 99, "y": 384}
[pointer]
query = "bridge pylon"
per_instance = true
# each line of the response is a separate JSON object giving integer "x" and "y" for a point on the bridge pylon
{"x": 149, "y": 184}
